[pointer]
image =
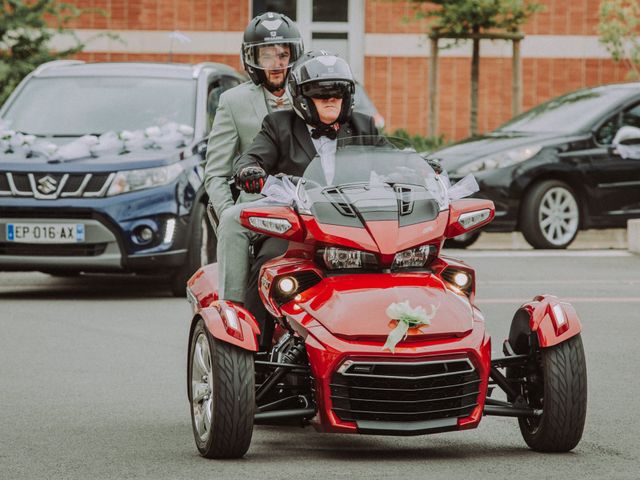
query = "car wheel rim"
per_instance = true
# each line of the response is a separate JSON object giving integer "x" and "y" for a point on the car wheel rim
{"x": 558, "y": 216}
{"x": 204, "y": 246}
{"x": 201, "y": 388}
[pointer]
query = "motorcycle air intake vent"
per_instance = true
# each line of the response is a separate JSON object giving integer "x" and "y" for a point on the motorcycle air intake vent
{"x": 339, "y": 201}
{"x": 300, "y": 281}
{"x": 405, "y": 200}
{"x": 412, "y": 391}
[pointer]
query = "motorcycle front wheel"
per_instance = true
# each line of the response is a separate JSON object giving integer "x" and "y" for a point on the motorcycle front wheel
{"x": 557, "y": 384}
{"x": 222, "y": 395}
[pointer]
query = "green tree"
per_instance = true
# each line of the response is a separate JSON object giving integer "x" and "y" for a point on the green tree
{"x": 619, "y": 30}
{"x": 26, "y": 28}
{"x": 474, "y": 19}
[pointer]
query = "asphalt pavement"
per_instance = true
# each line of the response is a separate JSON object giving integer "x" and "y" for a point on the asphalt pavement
{"x": 93, "y": 384}
{"x": 606, "y": 239}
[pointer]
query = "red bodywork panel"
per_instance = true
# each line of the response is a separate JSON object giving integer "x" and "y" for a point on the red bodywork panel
{"x": 226, "y": 321}
{"x": 280, "y": 267}
{"x": 552, "y": 327}
{"x": 343, "y": 317}
{"x": 353, "y": 306}
{"x": 327, "y": 352}
{"x": 385, "y": 238}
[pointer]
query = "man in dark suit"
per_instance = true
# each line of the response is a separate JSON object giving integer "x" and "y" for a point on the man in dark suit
{"x": 321, "y": 88}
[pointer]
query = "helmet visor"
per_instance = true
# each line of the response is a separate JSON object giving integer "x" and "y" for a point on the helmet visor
{"x": 272, "y": 55}
{"x": 327, "y": 89}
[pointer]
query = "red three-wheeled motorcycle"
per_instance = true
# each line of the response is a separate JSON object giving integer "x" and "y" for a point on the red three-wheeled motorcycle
{"x": 377, "y": 332}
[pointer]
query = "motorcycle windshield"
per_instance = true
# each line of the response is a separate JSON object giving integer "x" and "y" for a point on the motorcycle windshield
{"x": 372, "y": 179}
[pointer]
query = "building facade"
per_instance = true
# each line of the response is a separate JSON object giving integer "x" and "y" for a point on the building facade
{"x": 388, "y": 53}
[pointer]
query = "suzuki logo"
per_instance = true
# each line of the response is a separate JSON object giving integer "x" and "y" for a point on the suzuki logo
{"x": 47, "y": 185}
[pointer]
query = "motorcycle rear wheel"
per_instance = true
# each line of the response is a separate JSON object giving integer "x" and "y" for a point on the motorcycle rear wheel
{"x": 222, "y": 395}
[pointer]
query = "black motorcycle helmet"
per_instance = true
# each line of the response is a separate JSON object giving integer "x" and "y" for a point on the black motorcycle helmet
{"x": 320, "y": 74}
{"x": 269, "y": 29}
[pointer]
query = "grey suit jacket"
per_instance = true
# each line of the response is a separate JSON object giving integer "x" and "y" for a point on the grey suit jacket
{"x": 237, "y": 122}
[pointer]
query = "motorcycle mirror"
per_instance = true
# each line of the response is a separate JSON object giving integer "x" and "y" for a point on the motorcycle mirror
{"x": 468, "y": 214}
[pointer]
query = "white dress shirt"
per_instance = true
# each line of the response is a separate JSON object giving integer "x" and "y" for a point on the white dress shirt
{"x": 326, "y": 148}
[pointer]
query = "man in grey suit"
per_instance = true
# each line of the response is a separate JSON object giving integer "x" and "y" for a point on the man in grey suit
{"x": 271, "y": 43}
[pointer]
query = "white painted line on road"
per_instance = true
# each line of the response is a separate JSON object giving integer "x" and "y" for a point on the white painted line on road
{"x": 496, "y": 301}
{"x": 540, "y": 253}
{"x": 559, "y": 282}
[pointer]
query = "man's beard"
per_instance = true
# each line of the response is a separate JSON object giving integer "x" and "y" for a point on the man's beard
{"x": 272, "y": 87}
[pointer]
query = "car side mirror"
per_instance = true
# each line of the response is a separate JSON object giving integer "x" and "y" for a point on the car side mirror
{"x": 468, "y": 214}
{"x": 275, "y": 221}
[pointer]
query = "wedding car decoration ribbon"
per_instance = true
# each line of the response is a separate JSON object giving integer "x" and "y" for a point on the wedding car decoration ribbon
{"x": 626, "y": 142}
{"x": 463, "y": 188}
{"x": 168, "y": 136}
{"x": 407, "y": 317}
{"x": 278, "y": 191}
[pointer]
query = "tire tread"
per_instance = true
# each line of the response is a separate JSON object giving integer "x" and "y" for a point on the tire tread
{"x": 565, "y": 399}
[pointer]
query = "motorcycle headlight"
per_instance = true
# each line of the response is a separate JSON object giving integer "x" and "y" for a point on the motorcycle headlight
{"x": 500, "y": 160}
{"x": 341, "y": 258}
{"x": 413, "y": 258}
{"x": 132, "y": 180}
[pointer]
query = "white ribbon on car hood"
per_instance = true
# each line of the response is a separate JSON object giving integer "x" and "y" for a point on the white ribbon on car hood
{"x": 168, "y": 136}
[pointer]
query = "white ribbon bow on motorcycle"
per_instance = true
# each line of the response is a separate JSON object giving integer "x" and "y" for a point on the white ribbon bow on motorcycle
{"x": 279, "y": 191}
{"x": 407, "y": 317}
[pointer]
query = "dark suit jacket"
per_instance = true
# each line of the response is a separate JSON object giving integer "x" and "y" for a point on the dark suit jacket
{"x": 284, "y": 144}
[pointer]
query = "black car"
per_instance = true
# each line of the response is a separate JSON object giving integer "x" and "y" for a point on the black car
{"x": 138, "y": 206}
{"x": 554, "y": 170}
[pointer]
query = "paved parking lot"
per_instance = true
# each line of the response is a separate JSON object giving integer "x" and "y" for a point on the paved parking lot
{"x": 92, "y": 384}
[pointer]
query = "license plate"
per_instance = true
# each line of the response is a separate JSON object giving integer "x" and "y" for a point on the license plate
{"x": 45, "y": 232}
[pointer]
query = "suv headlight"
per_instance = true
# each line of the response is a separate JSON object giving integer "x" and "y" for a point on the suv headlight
{"x": 132, "y": 180}
{"x": 500, "y": 160}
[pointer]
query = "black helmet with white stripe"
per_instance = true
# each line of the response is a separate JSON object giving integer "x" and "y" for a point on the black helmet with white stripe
{"x": 270, "y": 40}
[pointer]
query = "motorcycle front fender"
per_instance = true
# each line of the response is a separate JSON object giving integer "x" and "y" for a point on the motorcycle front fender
{"x": 231, "y": 325}
{"x": 553, "y": 321}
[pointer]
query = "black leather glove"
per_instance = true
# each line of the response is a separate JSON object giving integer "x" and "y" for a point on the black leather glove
{"x": 251, "y": 179}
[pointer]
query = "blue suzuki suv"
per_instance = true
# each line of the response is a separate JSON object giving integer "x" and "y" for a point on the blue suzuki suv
{"x": 101, "y": 168}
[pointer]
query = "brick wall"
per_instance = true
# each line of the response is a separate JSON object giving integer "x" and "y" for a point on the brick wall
{"x": 399, "y": 88}
{"x": 209, "y": 15}
{"x": 397, "y": 84}
{"x": 560, "y": 17}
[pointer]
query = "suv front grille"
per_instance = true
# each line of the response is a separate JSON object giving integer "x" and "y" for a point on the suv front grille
{"x": 50, "y": 186}
{"x": 404, "y": 391}
{"x": 39, "y": 250}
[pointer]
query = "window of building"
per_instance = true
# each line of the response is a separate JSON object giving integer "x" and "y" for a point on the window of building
{"x": 330, "y": 11}
{"x": 287, "y": 7}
